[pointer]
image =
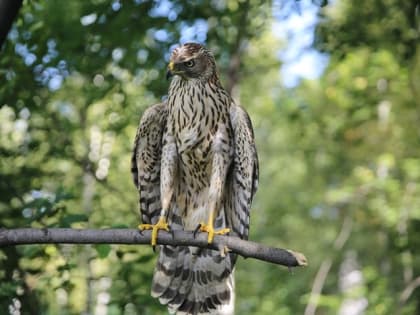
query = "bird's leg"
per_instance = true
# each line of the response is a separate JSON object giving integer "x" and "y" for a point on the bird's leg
{"x": 209, "y": 228}
{"x": 160, "y": 225}
{"x": 217, "y": 184}
{"x": 167, "y": 171}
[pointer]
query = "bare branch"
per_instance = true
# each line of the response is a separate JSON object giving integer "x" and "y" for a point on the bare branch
{"x": 324, "y": 269}
{"x": 405, "y": 295}
{"x": 246, "y": 249}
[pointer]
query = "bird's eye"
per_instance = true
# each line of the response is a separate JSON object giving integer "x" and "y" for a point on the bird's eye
{"x": 189, "y": 63}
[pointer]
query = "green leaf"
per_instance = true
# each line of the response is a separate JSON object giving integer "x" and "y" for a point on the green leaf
{"x": 69, "y": 219}
{"x": 145, "y": 258}
{"x": 36, "y": 26}
{"x": 103, "y": 250}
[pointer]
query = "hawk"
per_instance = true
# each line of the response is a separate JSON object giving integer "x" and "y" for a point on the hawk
{"x": 195, "y": 166}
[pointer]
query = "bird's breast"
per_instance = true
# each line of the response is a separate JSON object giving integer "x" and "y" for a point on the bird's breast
{"x": 193, "y": 141}
{"x": 199, "y": 119}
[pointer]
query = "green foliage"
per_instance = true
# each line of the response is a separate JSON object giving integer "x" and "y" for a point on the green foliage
{"x": 103, "y": 250}
{"x": 75, "y": 80}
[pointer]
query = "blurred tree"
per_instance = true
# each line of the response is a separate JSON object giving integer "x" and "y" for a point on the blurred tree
{"x": 77, "y": 81}
{"x": 339, "y": 156}
{"x": 363, "y": 122}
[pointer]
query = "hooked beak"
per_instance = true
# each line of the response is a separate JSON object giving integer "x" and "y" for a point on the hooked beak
{"x": 169, "y": 72}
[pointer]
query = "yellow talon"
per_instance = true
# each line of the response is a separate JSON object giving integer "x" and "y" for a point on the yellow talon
{"x": 211, "y": 231}
{"x": 160, "y": 225}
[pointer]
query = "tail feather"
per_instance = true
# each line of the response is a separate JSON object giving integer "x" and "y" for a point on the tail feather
{"x": 192, "y": 282}
{"x": 179, "y": 281}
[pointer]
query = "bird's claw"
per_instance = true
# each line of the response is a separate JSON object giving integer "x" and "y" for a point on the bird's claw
{"x": 197, "y": 229}
{"x": 160, "y": 225}
{"x": 211, "y": 231}
{"x": 224, "y": 250}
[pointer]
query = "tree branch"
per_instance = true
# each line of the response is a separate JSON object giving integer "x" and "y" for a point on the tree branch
{"x": 324, "y": 269}
{"x": 405, "y": 295}
{"x": 8, "y": 11}
{"x": 289, "y": 258}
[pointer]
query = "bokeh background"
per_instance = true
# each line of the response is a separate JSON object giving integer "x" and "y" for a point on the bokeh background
{"x": 333, "y": 90}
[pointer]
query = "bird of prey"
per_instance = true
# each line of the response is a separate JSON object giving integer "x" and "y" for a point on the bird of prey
{"x": 195, "y": 166}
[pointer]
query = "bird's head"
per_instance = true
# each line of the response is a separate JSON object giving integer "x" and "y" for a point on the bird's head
{"x": 191, "y": 61}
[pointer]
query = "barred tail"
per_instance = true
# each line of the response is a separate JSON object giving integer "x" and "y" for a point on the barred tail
{"x": 193, "y": 281}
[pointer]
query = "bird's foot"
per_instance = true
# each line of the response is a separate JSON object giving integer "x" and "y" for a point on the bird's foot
{"x": 224, "y": 250}
{"x": 160, "y": 225}
{"x": 209, "y": 228}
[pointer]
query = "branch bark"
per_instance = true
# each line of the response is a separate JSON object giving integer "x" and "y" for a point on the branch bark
{"x": 11, "y": 237}
{"x": 8, "y": 12}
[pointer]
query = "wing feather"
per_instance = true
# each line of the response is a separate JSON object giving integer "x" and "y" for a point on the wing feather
{"x": 145, "y": 161}
{"x": 242, "y": 181}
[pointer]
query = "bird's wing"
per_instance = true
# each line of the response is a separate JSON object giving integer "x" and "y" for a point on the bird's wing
{"x": 242, "y": 178}
{"x": 145, "y": 161}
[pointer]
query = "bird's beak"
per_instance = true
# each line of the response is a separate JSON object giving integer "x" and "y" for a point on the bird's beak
{"x": 169, "y": 72}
